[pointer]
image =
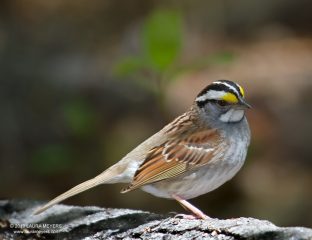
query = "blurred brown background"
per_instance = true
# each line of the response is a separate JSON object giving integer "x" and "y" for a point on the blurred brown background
{"x": 83, "y": 82}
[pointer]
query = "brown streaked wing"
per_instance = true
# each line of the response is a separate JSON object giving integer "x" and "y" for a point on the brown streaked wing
{"x": 176, "y": 157}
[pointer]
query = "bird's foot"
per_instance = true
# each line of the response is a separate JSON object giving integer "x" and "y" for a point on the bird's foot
{"x": 197, "y": 213}
{"x": 185, "y": 216}
{"x": 191, "y": 217}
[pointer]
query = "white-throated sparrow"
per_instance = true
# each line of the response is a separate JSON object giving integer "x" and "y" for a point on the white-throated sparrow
{"x": 194, "y": 154}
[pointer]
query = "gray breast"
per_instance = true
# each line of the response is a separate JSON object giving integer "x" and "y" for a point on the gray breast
{"x": 207, "y": 178}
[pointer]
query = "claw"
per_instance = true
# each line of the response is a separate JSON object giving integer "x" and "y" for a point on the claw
{"x": 185, "y": 216}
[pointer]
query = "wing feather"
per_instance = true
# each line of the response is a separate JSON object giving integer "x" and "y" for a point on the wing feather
{"x": 174, "y": 158}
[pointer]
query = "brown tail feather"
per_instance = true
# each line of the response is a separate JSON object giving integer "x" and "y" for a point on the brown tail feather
{"x": 100, "y": 179}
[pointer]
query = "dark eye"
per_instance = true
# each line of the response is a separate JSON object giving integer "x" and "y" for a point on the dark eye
{"x": 221, "y": 103}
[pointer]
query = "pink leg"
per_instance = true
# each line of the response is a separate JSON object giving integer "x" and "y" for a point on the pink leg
{"x": 198, "y": 213}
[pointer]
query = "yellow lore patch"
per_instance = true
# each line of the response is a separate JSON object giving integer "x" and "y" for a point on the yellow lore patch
{"x": 230, "y": 98}
{"x": 242, "y": 91}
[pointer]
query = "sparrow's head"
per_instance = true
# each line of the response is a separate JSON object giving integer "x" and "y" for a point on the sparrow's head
{"x": 223, "y": 100}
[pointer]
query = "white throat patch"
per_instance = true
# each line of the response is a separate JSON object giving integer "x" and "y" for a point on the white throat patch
{"x": 233, "y": 115}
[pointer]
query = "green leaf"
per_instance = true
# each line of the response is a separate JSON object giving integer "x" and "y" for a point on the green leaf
{"x": 129, "y": 66}
{"x": 162, "y": 38}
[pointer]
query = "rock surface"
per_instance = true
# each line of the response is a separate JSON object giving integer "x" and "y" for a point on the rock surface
{"x": 70, "y": 222}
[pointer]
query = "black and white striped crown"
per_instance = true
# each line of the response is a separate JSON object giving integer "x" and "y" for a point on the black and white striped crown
{"x": 225, "y": 90}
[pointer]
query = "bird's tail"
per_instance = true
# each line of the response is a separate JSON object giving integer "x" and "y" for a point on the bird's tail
{"x": 104, "y": 177}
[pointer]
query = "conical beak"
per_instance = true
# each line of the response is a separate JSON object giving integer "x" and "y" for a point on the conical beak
{"x": 243, "y": 103}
